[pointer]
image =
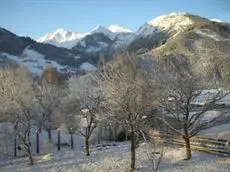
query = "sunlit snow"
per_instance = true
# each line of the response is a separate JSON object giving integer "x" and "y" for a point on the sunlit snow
{"x": 33, "y": 61}
{"x": 87, "y": 66}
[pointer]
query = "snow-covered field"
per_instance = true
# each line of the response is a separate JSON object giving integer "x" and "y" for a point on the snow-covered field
{"x": 114, "y": 158}
{"x": 117, "y": 159}
{"x": 33, "y": 61}
{"x": 220, "y": 131}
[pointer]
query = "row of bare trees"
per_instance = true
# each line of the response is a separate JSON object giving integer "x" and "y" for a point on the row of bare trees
{"x": 26, "y": 103}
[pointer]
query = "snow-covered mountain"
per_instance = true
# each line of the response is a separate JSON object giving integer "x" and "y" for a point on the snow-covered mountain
{"x": 25, "y": 52}
{"x": 166, "y": 33}
{"x": 171, "y": 22}
{"x": 62, "y": 38}
{"x": 33, "y": 61}
{"x": 68, "y": 39}
{"x": 217, "y": 20}
{"x": 121, "y": 37}
{"x": 105, "y": 31}
{"x": 118, "y": 29}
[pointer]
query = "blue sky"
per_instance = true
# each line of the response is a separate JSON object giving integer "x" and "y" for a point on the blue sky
{"x": 34, "y": 18}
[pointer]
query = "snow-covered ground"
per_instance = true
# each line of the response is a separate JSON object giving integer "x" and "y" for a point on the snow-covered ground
{"x": 87, "y": 66}
{"x": 33, "y": 61}
{"x": 117, "y": 159}
{"x": 210, "y": 35}
{"x": 220, "y": 132}
{"x": 173, "y": 21}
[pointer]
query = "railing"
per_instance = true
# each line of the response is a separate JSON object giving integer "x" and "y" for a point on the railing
{"x": 205, "y": 144}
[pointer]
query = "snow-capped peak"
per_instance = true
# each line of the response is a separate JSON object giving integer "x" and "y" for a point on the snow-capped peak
{"x": 105, "y": 31}
{"x": 118, "y": 29}
{"x": 61, "y": 31}
{"x": 216, "y": 20}
{"x": 111, "y": 31}
{"x": 173, "y": 21}
{"x": 61, "y": 35}
{"x": 101, "y": 29}
{"x": 62, "y": 38}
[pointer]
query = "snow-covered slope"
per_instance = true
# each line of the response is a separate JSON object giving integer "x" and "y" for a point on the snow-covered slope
{"x": 123, "y": 40}
{"x": 67, "y": 39}
{"x": 111, "y": 31}
{"x": 217, "y": 20}
{"x": 118, "y": 29}
{"x": 209, "y": 34}
{"x": 33, "y": 61}
{"x": 121, "y": 37}
{"x": 105, "y": 31}
{"x": 87, "y": 66}
{"x": 171, "y": 22}
{"x": 117, "y": 158}
{"x": 62, "y": 38}
{"x": 36, "y": 62}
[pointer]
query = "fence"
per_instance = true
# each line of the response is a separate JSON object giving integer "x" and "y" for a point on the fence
{"x": 205, "y": 144}
{"x": 11, "y": 145}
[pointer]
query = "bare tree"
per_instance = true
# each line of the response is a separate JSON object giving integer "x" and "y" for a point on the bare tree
{"x": 84, "y": 101}
{"x": 23, "y": 126}
{"x": 155, "y": 150}
{"x": 125, "y": 87}
{"x": 47, "y": 100}
{"x": 186, "y": 99}
{"x": 17, "y": 99}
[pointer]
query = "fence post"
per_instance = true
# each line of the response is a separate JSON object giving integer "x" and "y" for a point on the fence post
{"x": 101, "y": 133}
{"x": 59, "y": 139}
{"x": 115, "y": 132}
{"x": 71, "y": 137}
{"x": 98, "y": 134}
{"x": 126, "y": 134}
{"x": 105, "y": 132}
{"x": 228, "y": 147}
{"x": 37, "y": 141}
{"x": 15, "y": 144}
{"x": 110, "y": 133}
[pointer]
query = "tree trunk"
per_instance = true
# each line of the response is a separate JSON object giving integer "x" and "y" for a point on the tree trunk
{"x": 115, "y": 132}
{"x": 28, "y": 133}
{"x": 31, "y": 159}
{"x": 133, "y": 151}
{"x": 15, "y": 145}
{"x": 188, "y": 148}
{"x": 98, "y": 135}
{"x": 37, "y": 142}
{"x": 110, "y": 133}
{"x": 87, "y": 146}
{"x": 49, "y": 134}
{"x": 105, "y": 132}
{"x": 49, "y": 130}
{"x": 29, "y": 153}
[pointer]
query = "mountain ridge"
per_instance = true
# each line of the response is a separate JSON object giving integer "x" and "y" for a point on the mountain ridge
{"x": 175, "y": 33}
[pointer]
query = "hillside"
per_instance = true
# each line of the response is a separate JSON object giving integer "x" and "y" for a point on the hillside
{"x": 205, "y": 44}
{"x": 36, "y": 56}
